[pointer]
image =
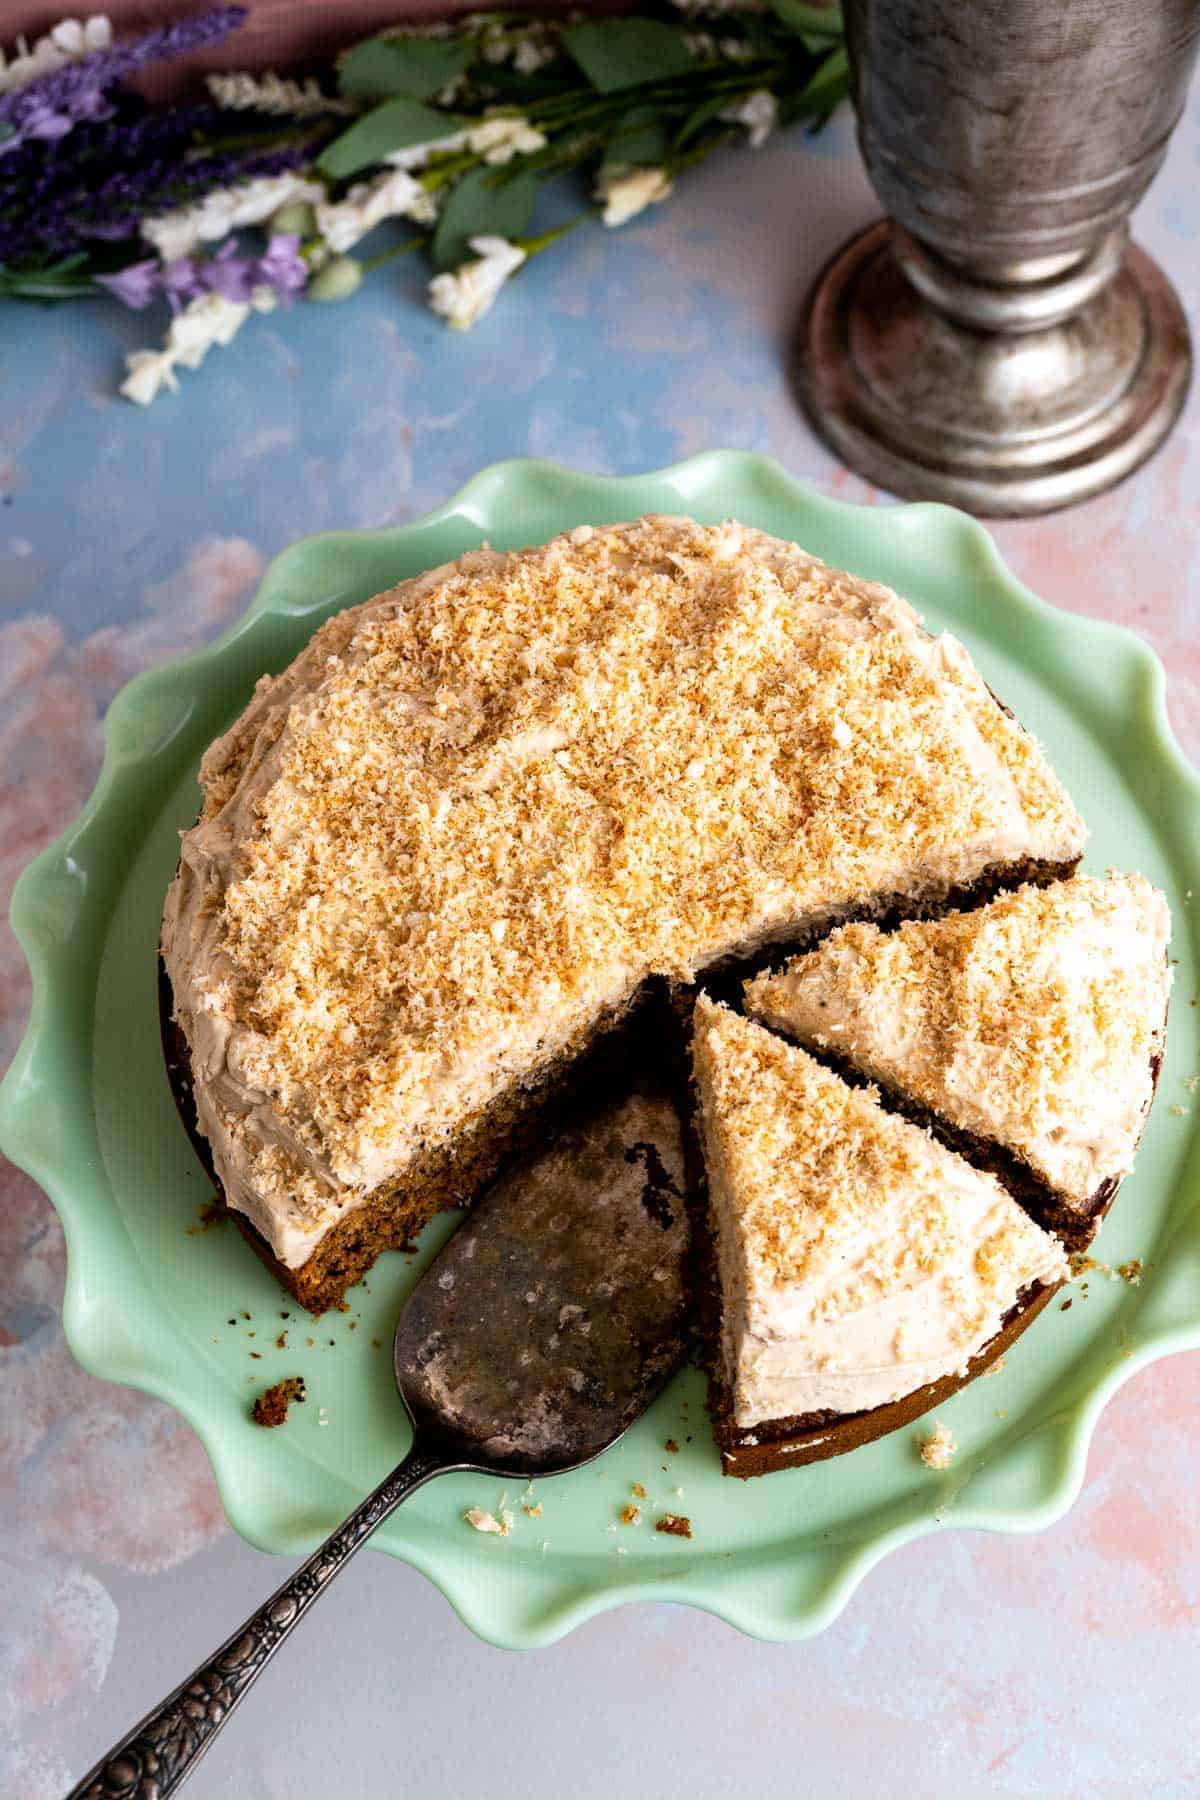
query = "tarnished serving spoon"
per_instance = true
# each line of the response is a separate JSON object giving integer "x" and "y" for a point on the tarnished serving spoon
{"x": 532, "y": 1342}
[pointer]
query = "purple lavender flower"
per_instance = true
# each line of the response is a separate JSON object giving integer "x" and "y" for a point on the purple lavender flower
{"x": 50, "y": 104}
{"x": 113, "y": 174}
{"x": 181, "y": 282}
{"x": 283, "y": 267}
{"x": 136, "y": 285}
{"x": 229, "y": 273}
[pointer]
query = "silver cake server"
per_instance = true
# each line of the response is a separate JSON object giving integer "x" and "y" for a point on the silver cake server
{"x": 543, "y": 1329}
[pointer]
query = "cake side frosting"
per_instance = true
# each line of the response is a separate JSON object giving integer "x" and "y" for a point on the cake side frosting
{"x": 1032, "y": 1021}
{"x": 858, "y": 1258}
{"x": 477, "y": 812}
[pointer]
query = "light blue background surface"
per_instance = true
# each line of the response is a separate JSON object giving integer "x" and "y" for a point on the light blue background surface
{"x": 1068, "y": 1663}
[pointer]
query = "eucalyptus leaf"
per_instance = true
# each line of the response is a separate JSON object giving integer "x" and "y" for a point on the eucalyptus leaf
{"x": 622, "y": 53}
{"x": 395, "y": 125}
{"x": 639, "y": 140}
{"x": 482, "y": 206}
{"x": 816, "y": 24}
{"x": 415, "y": 68}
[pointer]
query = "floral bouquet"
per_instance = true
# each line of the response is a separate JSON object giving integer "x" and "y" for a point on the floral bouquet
{"x": 461, "y": 129}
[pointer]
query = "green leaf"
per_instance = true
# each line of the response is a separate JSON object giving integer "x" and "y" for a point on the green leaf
{"x": 816, "y": 24}
{"x": 480, "y": 206}
{"x": 396, "y": 125}
{"x": 53, "y": 281}
{"x": 414, "y": 69}
{"x": 699, "y": 117}
{"x": 513, "y": 87}
{"x": 621, "y": 53}
{"x": 639, "y": 140}
{"x": 822, "y": 93}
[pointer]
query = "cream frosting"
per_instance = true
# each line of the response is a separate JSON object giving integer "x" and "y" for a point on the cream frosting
{"x": 477, "y": 812}
{"x": 858, "y": 1258}
{"x": 1031, "y": 1021}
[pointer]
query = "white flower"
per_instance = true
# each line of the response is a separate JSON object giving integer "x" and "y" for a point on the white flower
{"x": 493, "y": 43}
{"x": 417, "y": 155}
{"x": 625, "y": 196}
{"x": 207, "y": 321}
{"x": 500, "y": 138}
{"x": 530, "y": 55}
{"x": 204, "y": 322}
{"x": 463, "y": 296}
{"x": 149, "y": 370}
{"x": 398, "y": 195}
{"x": 64, "y": 43}
{"x": 272, "y": 93}
{"x": 758, "y": 112}
{"x": 177, "y": 233}
{"x": 452, "y": 93}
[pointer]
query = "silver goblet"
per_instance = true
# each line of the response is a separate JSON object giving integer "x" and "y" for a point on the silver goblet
{"x": 997, "y": 341}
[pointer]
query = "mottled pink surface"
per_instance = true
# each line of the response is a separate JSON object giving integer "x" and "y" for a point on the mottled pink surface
{"x": 1067, "y": 1662}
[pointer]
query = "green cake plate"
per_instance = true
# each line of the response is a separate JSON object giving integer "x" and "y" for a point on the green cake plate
{"x": 190, "y": 1315}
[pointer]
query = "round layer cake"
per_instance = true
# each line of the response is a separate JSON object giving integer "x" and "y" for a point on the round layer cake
{"x": 451, "y": 847}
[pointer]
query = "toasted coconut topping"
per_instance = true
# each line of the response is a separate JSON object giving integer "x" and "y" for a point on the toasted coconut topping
{"x": 477, "y": 812}
{"x": 1031, "y": 1021}
{"x": 859, "y": 1259}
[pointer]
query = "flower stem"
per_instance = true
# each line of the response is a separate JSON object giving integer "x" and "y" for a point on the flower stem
{"x": 531, "y": 245}
{"x": 387, "y": 256}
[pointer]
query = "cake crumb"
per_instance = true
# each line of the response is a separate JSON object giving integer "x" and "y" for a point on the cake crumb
{"x": 376, "y": 1344}
{"x": 281, "y": 1341}
{"x": 533, "y": 1511}
{"x": 938, "y": 1448}
{"x": 310, "y": 1342}
{"x": 1131, "y": 1271}
{"x": 1191, "y": 1083}
{"x": 1180, "y": 1112}
{"x": 1081, "y": 1262}
{"x": 481, "y": 1520}
{"x": 996, "y": 1366}
{"x": 1066, "y": 1305}
{"x": 671, "y": 1446}
{"x": 271, "y": 1406}
{"x": 674, "y": 1525}
{"x": 639, "y": 1492}
{"x": 631, "y": 1515}
{"x": 211, "y": 1213}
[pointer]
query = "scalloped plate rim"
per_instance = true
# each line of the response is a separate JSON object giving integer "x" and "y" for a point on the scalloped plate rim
{"x": 709, "y": 1584}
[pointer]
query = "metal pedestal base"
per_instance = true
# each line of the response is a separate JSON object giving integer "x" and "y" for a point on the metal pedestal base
{"x": 1005, "y": 424}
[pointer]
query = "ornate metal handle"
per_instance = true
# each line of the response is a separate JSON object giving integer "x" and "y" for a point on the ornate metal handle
{"x": 158, "y": 1755}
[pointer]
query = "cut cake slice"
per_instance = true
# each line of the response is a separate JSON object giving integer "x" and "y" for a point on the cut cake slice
{"x": 1028, "y": 1032}
{"x": 859, "y": 1271}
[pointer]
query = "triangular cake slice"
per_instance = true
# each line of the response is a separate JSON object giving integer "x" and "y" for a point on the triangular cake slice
{"x": 860, "y": 1271}
{"x": 1028, "y": 1032}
